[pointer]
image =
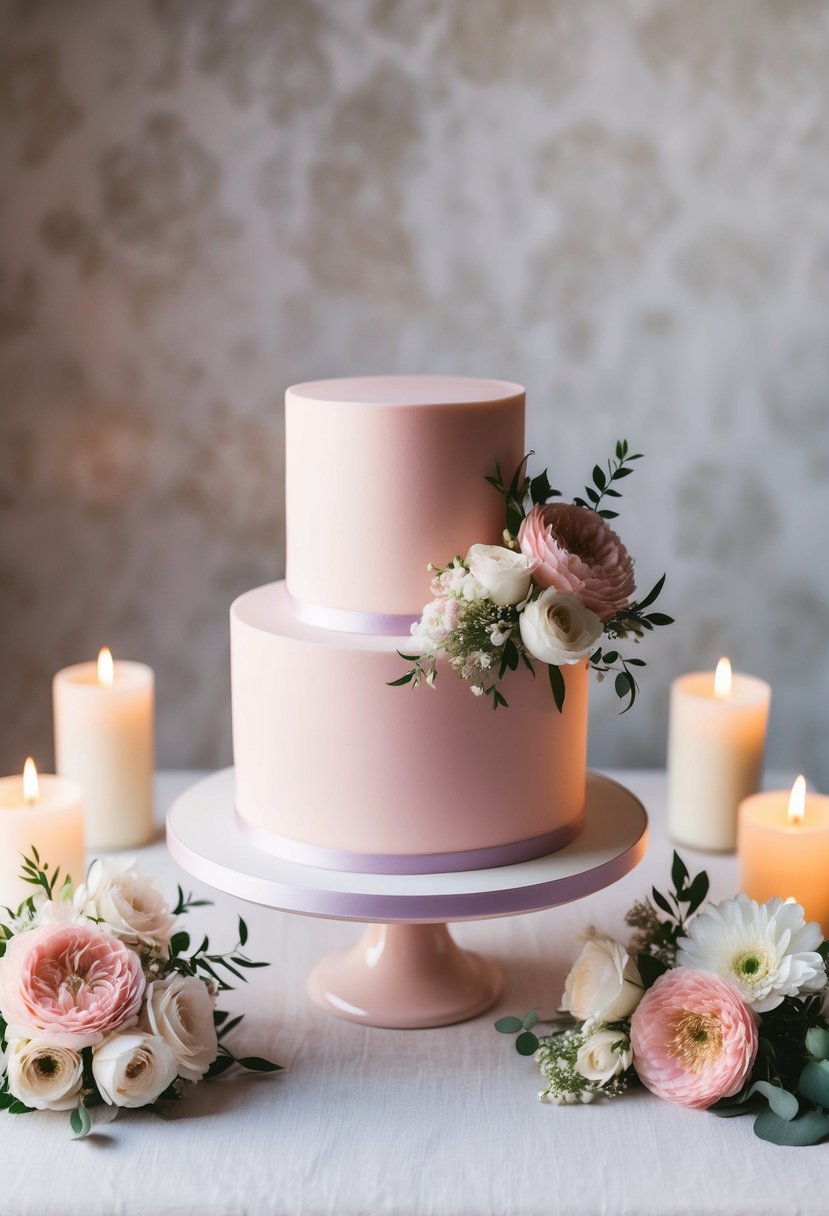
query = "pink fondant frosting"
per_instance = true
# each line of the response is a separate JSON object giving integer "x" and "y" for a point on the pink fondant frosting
{"x": 328, "y": 755}
{"x": 385, "y": 474}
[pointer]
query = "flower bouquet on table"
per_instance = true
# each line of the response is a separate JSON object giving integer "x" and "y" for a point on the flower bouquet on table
{"x": 722, "y": 1009}
{"x": 102, "y": 999}
{"x": 560, "y": 585}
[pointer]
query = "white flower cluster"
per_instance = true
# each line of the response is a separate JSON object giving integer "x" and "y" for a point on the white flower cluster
{"x": 767, "y": 952}
{"x": 485, "y": 600}
{"x": 171, "y": 1036}
{"x": 581, "y": 1063}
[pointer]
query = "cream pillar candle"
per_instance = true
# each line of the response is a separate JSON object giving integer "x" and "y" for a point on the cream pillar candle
{"x": 45, "y": 812}
{"x": 716, "y": 738}
{"x": 783, "y": 848}
{"x": 104, "y": 739}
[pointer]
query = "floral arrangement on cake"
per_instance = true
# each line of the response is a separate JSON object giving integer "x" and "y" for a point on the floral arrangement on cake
{"x": 102, "y": 1001}
{"x": 561, "y": 581}
{"x": 723, "y": 1009}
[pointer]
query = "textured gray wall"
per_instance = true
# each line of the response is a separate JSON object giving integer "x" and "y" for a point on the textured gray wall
{"x": 624, "y": 204}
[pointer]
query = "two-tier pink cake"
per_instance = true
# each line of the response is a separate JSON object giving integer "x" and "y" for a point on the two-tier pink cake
{"x": 333, "y": 767}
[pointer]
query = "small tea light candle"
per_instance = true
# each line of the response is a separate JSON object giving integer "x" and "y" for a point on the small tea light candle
{"x": 45, "y": 812}
{"x": 103, "y": 716}
{"x": 783, "y": 847}
{"x": 716, "y": 739}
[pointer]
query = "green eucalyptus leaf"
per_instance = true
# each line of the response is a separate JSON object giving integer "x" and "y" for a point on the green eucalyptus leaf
{"x": 508, "y": 1025}
{"x": 80, "y": 1122}
{"x": 526, "y": 1044}
{"x": 784, "y": 1104}
{"x": 805, "y": 1129}
{"x": 622, "y": 684}
{"x": 814, "y": 1083}
{"x": 817, "y": 1042}
{"x": 529, "y": 1019}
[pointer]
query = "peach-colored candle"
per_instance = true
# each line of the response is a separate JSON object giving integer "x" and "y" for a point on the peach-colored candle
{"x": 783, "y": 848}
{"x": 104, "y": 740}
{"x": 716, "y": 739}
{"x": 44, "y": 811}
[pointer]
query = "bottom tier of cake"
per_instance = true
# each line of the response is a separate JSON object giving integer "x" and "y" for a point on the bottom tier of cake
{"x": 337, "y": 769}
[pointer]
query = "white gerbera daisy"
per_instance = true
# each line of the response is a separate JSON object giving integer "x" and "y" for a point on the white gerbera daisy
{"x": 768, "y": 951}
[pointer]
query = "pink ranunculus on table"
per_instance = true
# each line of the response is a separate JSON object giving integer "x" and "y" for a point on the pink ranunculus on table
{"x": 74, "y": 982}
{"x": 694, "y": 1038}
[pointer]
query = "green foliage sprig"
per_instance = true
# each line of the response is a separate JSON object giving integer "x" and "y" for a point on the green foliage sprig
{"x": 603, "y": 486}
{"x": 522, "y": 492}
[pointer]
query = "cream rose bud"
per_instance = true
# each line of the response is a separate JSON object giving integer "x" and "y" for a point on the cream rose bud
{"x": 556, "y": 628}
{"x": 180, "y": 1011}
{"x": 505, "y": 576}
{"x": 127, "y": 901}
{"x": 604, "y": 982}
{"x": 600, "y": 1058}
{"x": 133, "y": 1069}
{"x": 43, "y": 1076}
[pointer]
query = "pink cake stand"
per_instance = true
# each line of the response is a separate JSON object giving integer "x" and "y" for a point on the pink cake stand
{"x": 406, "y": 972}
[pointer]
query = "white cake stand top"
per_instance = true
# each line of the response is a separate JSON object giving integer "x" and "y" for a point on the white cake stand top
{"x": 203, "y": 838}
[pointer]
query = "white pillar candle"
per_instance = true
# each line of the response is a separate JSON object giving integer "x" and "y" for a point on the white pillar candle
{"x": 783, "y": 847}
{"x": 716, "y": 738}
{"x": 48, "y": 815}
{"x": 104, "y": 740}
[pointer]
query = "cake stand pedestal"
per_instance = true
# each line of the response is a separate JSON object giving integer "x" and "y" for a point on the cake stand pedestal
{"x": 406, "y": 972}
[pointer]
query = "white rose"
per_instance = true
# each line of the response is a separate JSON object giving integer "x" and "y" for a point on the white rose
{"x": 42, "y": 1076}
{"x": 132, "y": 1069}
{"x": 503, "y": 575}
{"x": 604, "y": 982}
{"x": 600, "y": 1059}
{"x": 128, "y": 902}
{"x": 180, "y": 1011}
{"x": 557, "y": 628}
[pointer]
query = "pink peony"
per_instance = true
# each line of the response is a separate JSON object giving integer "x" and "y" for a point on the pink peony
{"x": 69, "y": 983}
{"x": 576, "y": 551}
{"x": 694, "y": 1039}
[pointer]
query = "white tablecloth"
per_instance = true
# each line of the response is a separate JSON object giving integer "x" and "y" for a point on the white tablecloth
{"x": 365, "y": 1121}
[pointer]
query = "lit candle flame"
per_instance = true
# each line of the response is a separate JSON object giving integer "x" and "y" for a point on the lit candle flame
{"x": 106, "y": 669}
{"x": 722, "y": 679}
{"x": 797, "y": 801}
{"x": 31, "y": 785}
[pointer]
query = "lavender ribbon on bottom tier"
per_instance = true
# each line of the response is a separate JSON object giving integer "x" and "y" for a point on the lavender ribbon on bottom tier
{"x": 409, "y": 863}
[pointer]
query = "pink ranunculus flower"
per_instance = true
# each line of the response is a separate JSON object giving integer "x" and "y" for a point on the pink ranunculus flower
{"x": 576, "y": 551}
{"x": 694, "y": 1038}
{"x": 68, "y": 983}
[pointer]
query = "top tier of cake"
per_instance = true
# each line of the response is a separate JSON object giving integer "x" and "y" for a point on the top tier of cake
{"x": 385, "y": 474}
